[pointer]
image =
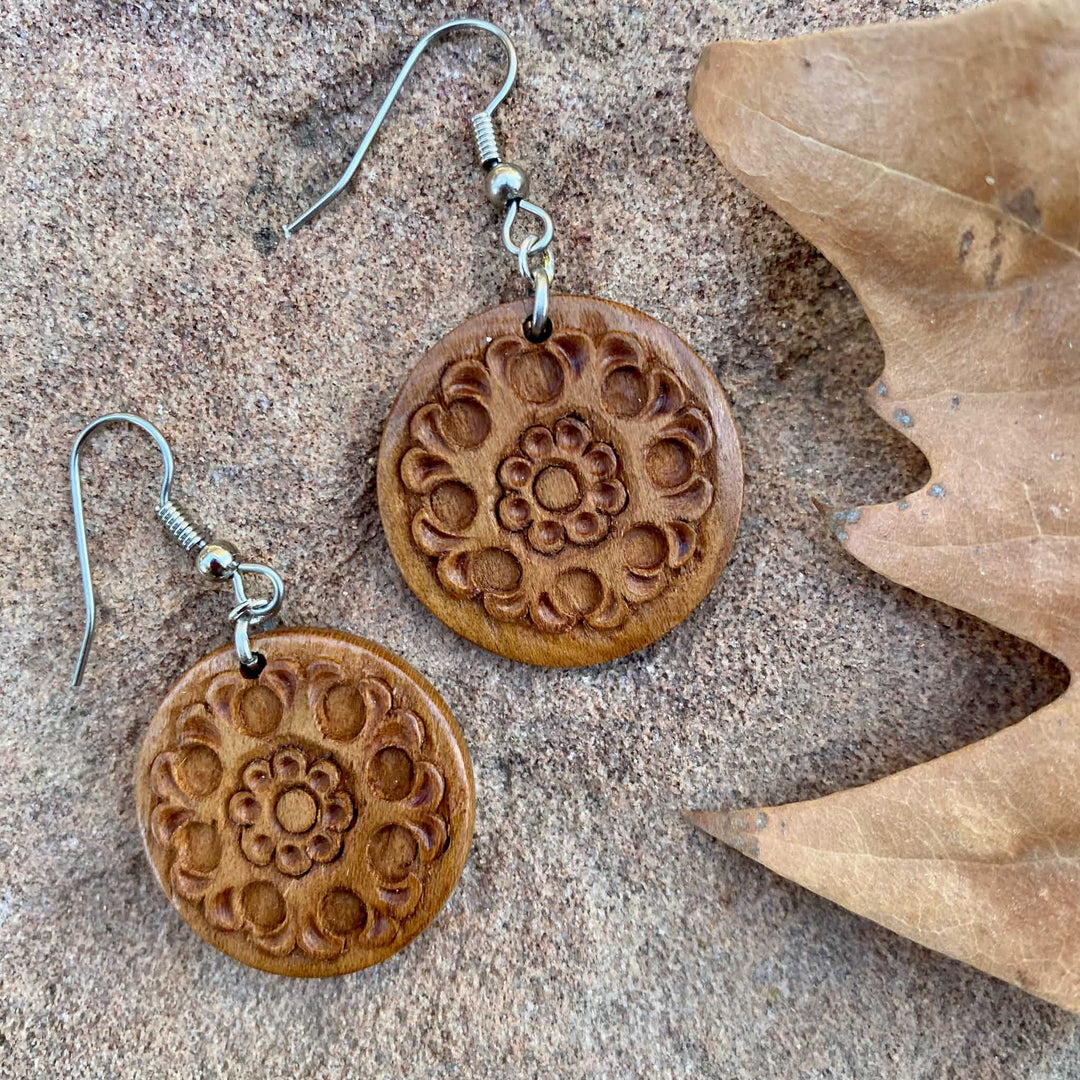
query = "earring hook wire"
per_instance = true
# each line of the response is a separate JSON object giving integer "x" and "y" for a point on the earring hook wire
{"x": 430, "y": 37}
{"x": 213, "y": 559}
{"x": 80, "y": 519}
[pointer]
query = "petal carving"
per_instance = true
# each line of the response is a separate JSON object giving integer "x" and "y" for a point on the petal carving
{"x": 693, "y": 428}
{"x": 428, "y": 788}
{"x": 465, "y": 379}
{"x": 665, "y": 393}
{"x": 165, "y": 819}
{"x": 431, "y": 539}
{"x": 430, "y": 834}
{"x": 573, "y": 348}
{"x": 616, "y": 349}
{"x": 638, "y": 589}
{"x": 381, "y": 929}
{"x": 278, "y": 942}
{"x": 691, "y": 501}
{"x": 453, "y": 573}
{"x": 421, "y": 470}
{"x": 611, "y": 613}
{"x": 222, "y": 910}
{"x": 188, "y": 883}
{"x": 401, "y": 900}
{"x": 317, "y": 943}
{"x": 682, "y": 542}
{"x": 427, "y": 431}
{"x": 196, "y": 726}
{"x": 547, "y": 617}
{"x": 506, "y": 608}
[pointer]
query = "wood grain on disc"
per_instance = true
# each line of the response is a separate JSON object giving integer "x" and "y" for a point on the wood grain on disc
{"x": 312, "y": 821}
{"x": 567, "y": 502}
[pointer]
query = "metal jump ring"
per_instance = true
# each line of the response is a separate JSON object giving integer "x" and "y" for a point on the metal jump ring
{"x": 523, "y": 256}
{"x": 248, "y": 613}
{"x": 529, "y": 246}
{"x": 538, "y": 320}
{"x": 242, "y": 642}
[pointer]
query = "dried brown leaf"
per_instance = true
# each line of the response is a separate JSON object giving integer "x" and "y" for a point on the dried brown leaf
{"x": 937, "y": 164}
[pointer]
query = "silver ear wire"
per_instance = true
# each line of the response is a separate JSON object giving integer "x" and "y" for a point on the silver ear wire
{"x": 483, "y": 126}
{"x": 506, "y": 184}
{"x": 213, "y": 559}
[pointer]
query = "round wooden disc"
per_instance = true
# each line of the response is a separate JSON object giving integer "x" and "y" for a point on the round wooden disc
{"x": 562, "y": 503}
{"x": 311, "y": 821}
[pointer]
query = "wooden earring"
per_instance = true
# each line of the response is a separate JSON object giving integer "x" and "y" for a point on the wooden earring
{"x": 306, "y": 798}
{"x": 561, "y": 487}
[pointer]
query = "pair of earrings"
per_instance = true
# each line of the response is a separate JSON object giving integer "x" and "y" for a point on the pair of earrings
{"x": 560, "y": 486}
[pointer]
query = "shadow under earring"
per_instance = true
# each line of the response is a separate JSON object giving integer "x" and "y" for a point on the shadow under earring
{"x": 305, "y": 796}
{"x": 563, "y": 486}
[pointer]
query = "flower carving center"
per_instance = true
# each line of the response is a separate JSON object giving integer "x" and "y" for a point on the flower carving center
{"x": 556, "y": 488}
{"x": 296, "y": 811}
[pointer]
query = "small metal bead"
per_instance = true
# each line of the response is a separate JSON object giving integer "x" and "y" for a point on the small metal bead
{"x": 506, "y": 182}
{"x": 216, "y": 560}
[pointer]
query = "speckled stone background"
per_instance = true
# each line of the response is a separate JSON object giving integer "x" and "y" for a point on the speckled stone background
{"x": 150, "y": 155}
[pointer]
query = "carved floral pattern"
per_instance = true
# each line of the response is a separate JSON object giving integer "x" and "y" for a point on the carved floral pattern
{"x": 561, "y": 487}
{"x": 588, "y": 508}
{"x": 315, "y": 844}
{"x": 289, "y": 814}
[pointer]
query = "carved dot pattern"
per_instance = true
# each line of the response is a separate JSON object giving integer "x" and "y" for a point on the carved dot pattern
{"x": 589, "y": 501}
{"x": 311, "y": 822}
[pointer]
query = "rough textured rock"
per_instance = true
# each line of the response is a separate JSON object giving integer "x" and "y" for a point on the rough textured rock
{"x": 151, "y": 155}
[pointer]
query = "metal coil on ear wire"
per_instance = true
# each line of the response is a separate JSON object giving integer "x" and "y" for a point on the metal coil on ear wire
{"x": 181, "y": 527}
{"x": 487, "y": 146}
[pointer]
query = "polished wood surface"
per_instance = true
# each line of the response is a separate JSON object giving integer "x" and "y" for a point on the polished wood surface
{"x": 314, "y": 820}
{"x": 567, "y": 502}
